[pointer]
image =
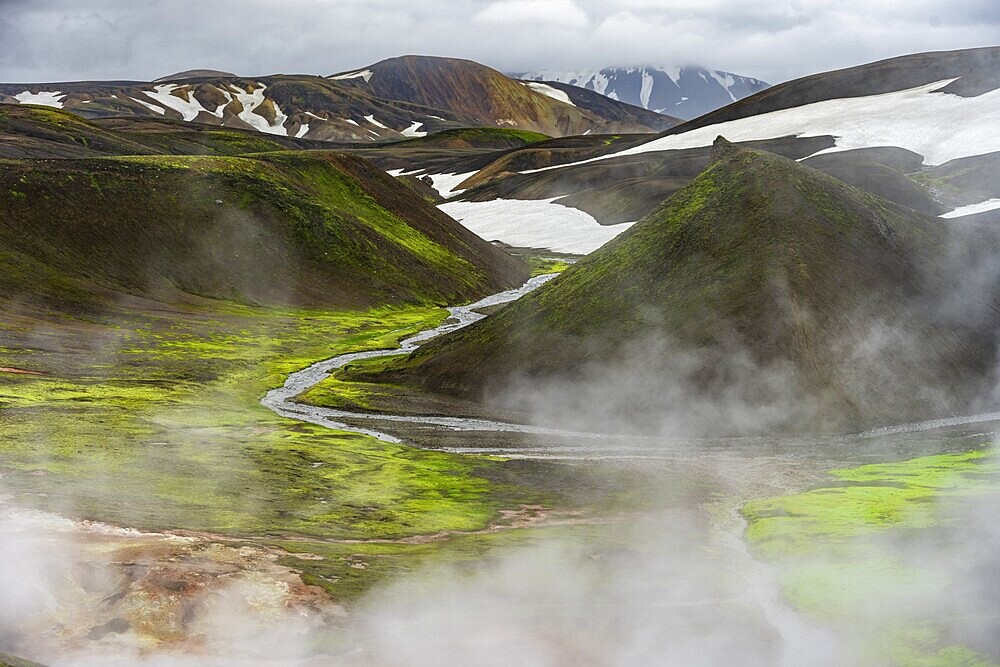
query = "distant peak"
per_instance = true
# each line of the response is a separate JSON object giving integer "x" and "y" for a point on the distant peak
{"x": 196, "y": 74}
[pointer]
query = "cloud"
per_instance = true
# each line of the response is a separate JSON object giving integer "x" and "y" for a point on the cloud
{"x": 59, "y": 40}
{"x": 556, "y": 12}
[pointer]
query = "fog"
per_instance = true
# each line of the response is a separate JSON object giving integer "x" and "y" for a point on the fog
{"x": 674, "y": 585}
{"x": 672, "y": 582}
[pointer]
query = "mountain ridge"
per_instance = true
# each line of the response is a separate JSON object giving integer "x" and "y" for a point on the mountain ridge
{"x": 686, "y": 91}
{"x": 411, "y": 97}
{"x": 480, "y": 93}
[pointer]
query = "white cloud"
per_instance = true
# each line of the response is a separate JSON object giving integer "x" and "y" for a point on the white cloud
{"x": 558, "y": 12}
{"x": 59, "y": 40}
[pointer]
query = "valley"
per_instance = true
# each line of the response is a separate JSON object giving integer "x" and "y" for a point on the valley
{"x": 420, "y": 359}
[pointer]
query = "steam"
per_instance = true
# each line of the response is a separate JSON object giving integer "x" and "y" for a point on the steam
{"x": 671, "y": 585}
{"x": 89, "y": 594}
{"x": 664, "y": 595}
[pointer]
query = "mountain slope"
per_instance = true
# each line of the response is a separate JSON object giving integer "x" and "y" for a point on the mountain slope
{"x": 409, "y": 97}
{"x": 853, "y": 124}
{"x": 942, "y": 106}
{"x": 484, "y": 96}
{"x": 782, "y": 297}
{"x": 30, "y": 131}
{"x": 285, "y": 106}
{"x": 313, "y": 229}
{"x": 685, "y": 92}
{"x": 977, "y": 71}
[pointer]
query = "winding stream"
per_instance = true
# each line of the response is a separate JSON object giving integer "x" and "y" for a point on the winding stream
{"x": 282, "y": 399}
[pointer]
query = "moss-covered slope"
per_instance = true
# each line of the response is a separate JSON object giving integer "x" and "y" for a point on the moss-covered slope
{"x": 319, "y": 229}
{"x": 759, "y": 258}
{"x": 30, "y": 131}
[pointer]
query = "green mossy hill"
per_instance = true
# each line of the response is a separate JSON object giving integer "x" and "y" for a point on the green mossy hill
{"x": 499, "y": 138}
{"x": 35, "y": 131}
{"x": 759, "y": 258}
{"x": 307, "y": 229}
{"x": 29, "y": 131}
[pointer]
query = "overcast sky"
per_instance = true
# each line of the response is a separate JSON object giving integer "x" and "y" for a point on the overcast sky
{"x": 66, "y": 40}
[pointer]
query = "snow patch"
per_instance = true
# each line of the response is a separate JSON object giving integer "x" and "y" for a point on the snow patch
{"x": 938, "y": 126}
{"x": 363, "y": 74}
{"x": 600, "y": 82}
{"x": 647, "y": 88}
{"x": 549, "y": 91}
{"x": 251, "y": 101}
{"x": 42, "y": 98}
{"x": 414, "y": 130}
{"x": 151, "y": 107}
{"x": 302, "y": 131}
{"x": 188, "y": 109}
{"x": 534, "y": 224}
{"x": 371, "y": 119}
{"x": 447, "y": 184}
{"x": 726, "y": 81}
{"x": 971, "y": 209}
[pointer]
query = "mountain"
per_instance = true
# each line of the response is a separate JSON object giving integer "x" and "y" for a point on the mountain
{"x": 917, "y": 130}
{"x": 408, "y": 97}
{"x": 781, "y": 296}
{"x": 284, "y": 228}
{"x": 965, "y": 73}
{"x": 484, "y": 96}
{"x": 284, "y": 106}
{"x": 684, "y": 92}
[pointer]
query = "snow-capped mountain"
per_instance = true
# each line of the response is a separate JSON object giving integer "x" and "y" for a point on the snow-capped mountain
{"x": 684, "y": 92}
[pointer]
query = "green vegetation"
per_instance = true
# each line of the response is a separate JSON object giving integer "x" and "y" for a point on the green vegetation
{"x": 542, "y": 265}
{"x": 757, "y": 258}
{"x": 28, "y": 131}
{"x": 872, "y": 498}
{"x": 331, "y": 230}
{"x": 150, "y": 301}
{"x": 153, "y": 421}
{"x": 477, "y": 137}
{"x": 843, "y": 548}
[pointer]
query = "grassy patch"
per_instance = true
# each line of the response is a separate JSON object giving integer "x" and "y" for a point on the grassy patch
{"x": 843, "y": 553}
{"x": 540, "y": 265}
{"x": 153, "y": 421}
{"x": 871, "y": 498}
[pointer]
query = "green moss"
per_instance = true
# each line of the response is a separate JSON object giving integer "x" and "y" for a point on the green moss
{"x": 167, "y": 431}
{"x": 836, "y": 555}
{"x": 874, "y": 498}
{"x": 542, "y": 265}
{"x": 327, "y": 226}
{"x": 478, "y": 137}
